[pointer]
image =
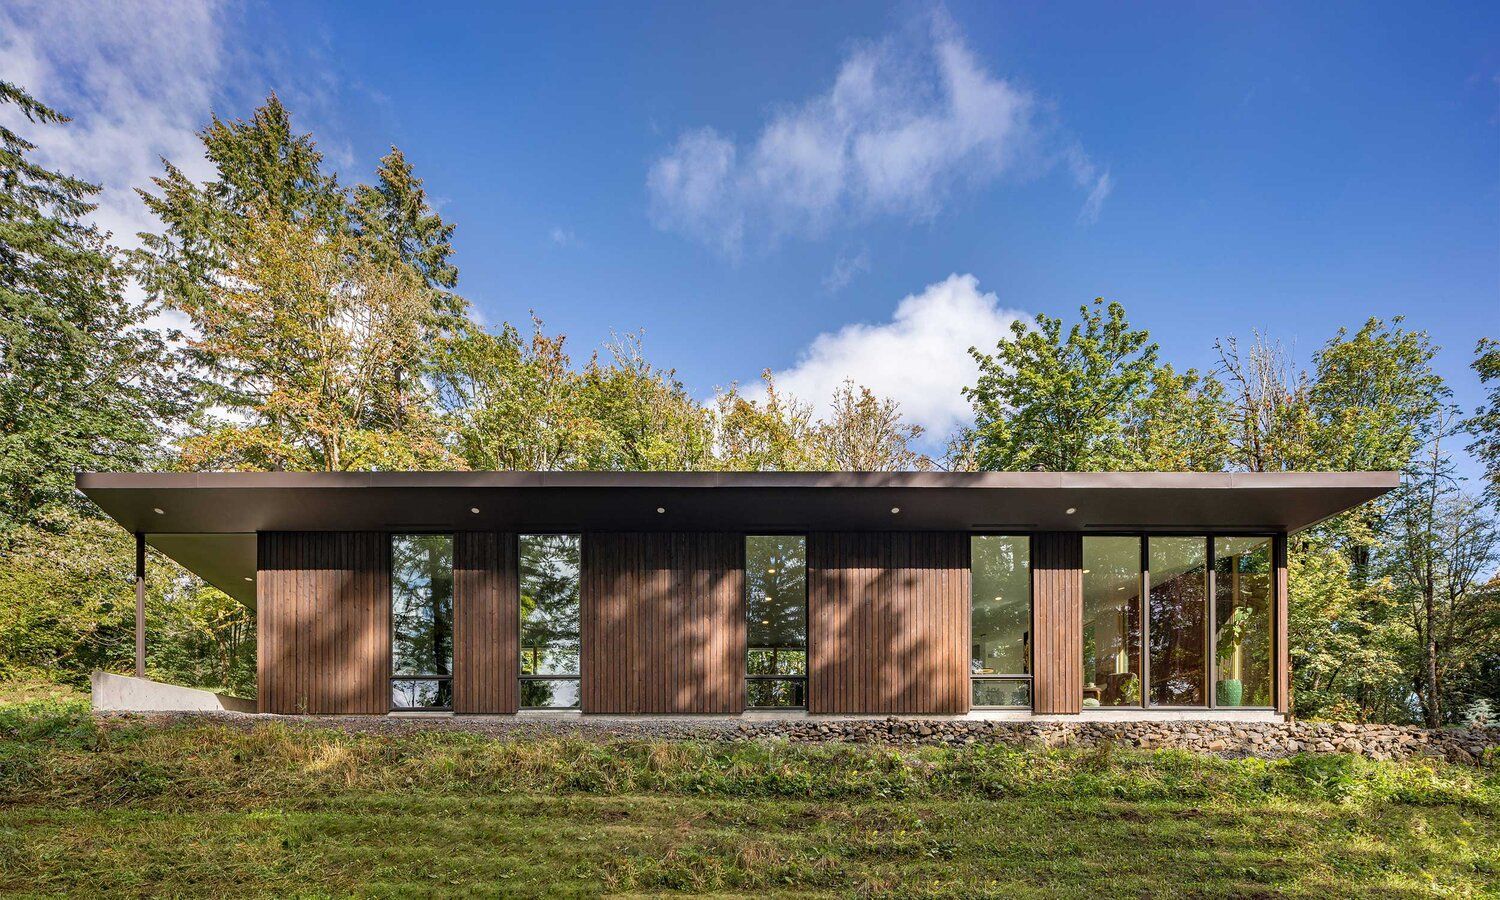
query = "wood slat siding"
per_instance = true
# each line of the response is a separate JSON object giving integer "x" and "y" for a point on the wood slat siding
{"x": 1057, "y": 613}
{"x": 323, "y": 622}
{"x": 486, "y": 621}
{"x": 663, "y": 623}
{"x": 1281, "y": 681}
{"x": 889, "y": 622}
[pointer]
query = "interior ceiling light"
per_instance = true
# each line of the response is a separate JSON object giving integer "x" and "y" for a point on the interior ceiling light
{"x": 895, "y": 509}
{"x": 660, "y": 510}
{"x": 474, "y": 510}
{"x": 247, "y": 578}
{"x": 158, "y": 510}
{"x": 1070, "y": 510}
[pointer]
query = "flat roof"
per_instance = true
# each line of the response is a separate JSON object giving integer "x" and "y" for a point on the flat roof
{"x": 242, "y": 503}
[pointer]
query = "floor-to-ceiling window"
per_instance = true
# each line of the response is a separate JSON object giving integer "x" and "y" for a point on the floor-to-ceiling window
{"x": 1000, "y": 621}
{"x": 1177, "y": 627}
{"x": 776, "y": 620}
{"x": 1242, "y": 621}
{"x": 1112, "y": 580}
{"x": 421, "y": 621}
{"x": 550, "y": 639}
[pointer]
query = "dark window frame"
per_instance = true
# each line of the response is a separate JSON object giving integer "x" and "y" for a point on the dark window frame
{"x": 1028, "y": 677}
{"x": 392, "y": 677}
{"x": 805, "y": 679}
{"x": 522, "y": 677}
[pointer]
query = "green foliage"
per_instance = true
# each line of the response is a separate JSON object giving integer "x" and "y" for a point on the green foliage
{"x": 1092, "y": 400}
{"x": 84, "y": 384}
{"x": 1485, "y": 424}
{"x": 67, "y": 607}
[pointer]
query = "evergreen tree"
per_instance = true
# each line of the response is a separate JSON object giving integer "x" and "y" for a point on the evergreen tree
{"x": 84, "y": 384}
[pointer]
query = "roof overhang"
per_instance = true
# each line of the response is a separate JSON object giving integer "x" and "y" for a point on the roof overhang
{"x": 242, "y": 503}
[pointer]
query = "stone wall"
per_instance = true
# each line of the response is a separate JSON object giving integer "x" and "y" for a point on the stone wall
{"x": 1228, "y": 738}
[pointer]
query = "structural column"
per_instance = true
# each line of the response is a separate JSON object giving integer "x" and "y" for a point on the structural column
{"x": 1281, "y": 683}
{"x": 140, "y": 604}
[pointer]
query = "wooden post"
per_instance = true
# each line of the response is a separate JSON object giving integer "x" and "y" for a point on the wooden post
{"x": 140, "y": 605}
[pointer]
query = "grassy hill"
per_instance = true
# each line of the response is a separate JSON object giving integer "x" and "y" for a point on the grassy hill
{"x": 120, "y": 808}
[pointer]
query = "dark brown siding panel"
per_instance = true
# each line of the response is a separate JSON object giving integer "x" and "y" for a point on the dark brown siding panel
{"x": 1282, "y": 670}
{"x": 486, "y": 620}
{"x": 1057, "y": 612}
{"x": 323, "y": 619}
{"x": 889, "y": 620}
{"x": 663, "y": 623}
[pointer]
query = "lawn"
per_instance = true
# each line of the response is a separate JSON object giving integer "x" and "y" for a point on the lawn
{"x": 130, "y": 809}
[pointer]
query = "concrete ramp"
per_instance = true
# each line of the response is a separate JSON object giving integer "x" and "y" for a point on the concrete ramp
{"x": 122, "y": 693}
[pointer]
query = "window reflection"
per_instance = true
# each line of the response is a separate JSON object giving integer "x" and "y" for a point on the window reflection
{"x": 421, "y": 621}
{"x": 1000, "y": 620}
{"x": 1242, "y": 621}
{"x": 1111, "y": 621}
{"x": 1178, "y": 618}
{"x": 776, "y": 620}
{"x": 550, "y": 641}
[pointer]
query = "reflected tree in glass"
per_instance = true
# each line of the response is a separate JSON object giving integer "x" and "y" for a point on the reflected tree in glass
{"x": 776, "y": 620}
{"x": 549, "y": 608}
{"x": 1178, "y": 620}
{"x": 421, "y": 619}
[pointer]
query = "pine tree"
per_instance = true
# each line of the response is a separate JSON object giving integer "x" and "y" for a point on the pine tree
{"x": 84, "y": 385}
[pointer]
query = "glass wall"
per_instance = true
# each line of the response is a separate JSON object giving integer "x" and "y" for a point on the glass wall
{"x": 1178, "y": 625}
{"x": 549, "y": 621}
{"x": 1242, "y": 621}
{"x": 776, "y": 620}
{"x": 421, "y": 621}
{"x": 1112, "y": 581}
{"x": 1000, "y": 621}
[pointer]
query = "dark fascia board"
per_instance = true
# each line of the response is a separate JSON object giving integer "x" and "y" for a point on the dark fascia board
{"x": 224, "y": 510}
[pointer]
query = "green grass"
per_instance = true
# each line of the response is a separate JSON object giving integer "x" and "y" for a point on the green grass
{"x": 133, "y": 809}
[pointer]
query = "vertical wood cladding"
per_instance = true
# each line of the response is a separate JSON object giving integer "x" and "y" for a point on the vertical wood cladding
{"x": 1057, "y": 612}
{"x": 663, "y": 623}
{"x": 1281, "y": 679}
{"x": 889, "y": 622}
{"x": 485, "y": 622}
{"x": 323, "y": 622}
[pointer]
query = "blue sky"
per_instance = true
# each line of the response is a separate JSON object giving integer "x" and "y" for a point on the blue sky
{"x": 763, "y": 185}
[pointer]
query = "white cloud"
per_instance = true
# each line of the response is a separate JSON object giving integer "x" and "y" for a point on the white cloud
{"x": 919, "y": 358}
{"x": 901, "y": 127}
{"x": 561, "y": 236}
{"x": 137, "y": 79}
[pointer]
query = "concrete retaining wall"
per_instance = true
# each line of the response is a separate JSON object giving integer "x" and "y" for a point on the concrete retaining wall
{"x": 122, "y": 693}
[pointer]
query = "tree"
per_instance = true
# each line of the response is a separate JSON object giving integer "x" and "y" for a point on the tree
{"x": 84, "y": 383}
{"x": 1485, "y": 425}
{"x": 1092, "y": 400}
{"x": 865, "y": 433}
{"x": 305, "y": 343}
{"x": 1440, "y": 547}
{"x": 513, "y": 404}
{"x": 647, "y": 420}
{"x": 777, "y": 434}
{"x": 314, "y": 315}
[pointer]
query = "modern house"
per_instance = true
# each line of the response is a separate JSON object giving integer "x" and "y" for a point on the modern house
{"x": 986, "y": 594}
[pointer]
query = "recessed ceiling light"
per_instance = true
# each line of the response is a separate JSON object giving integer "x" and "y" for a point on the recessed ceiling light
{"x": 1085, "y": 571}
{"x": 660, "y": 510}
{"x": 158, "y": 510}
{"x": 248, "y": 578}
{"x": 474, "y": 510}
{"x": 765, "y": 621}
{"x": 770, "y": 571}
{"x": 895, "y": 509}
{"x": 1070, "y": 510}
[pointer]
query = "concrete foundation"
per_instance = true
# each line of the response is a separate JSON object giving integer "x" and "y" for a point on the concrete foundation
{"x": 121, "y": 693}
